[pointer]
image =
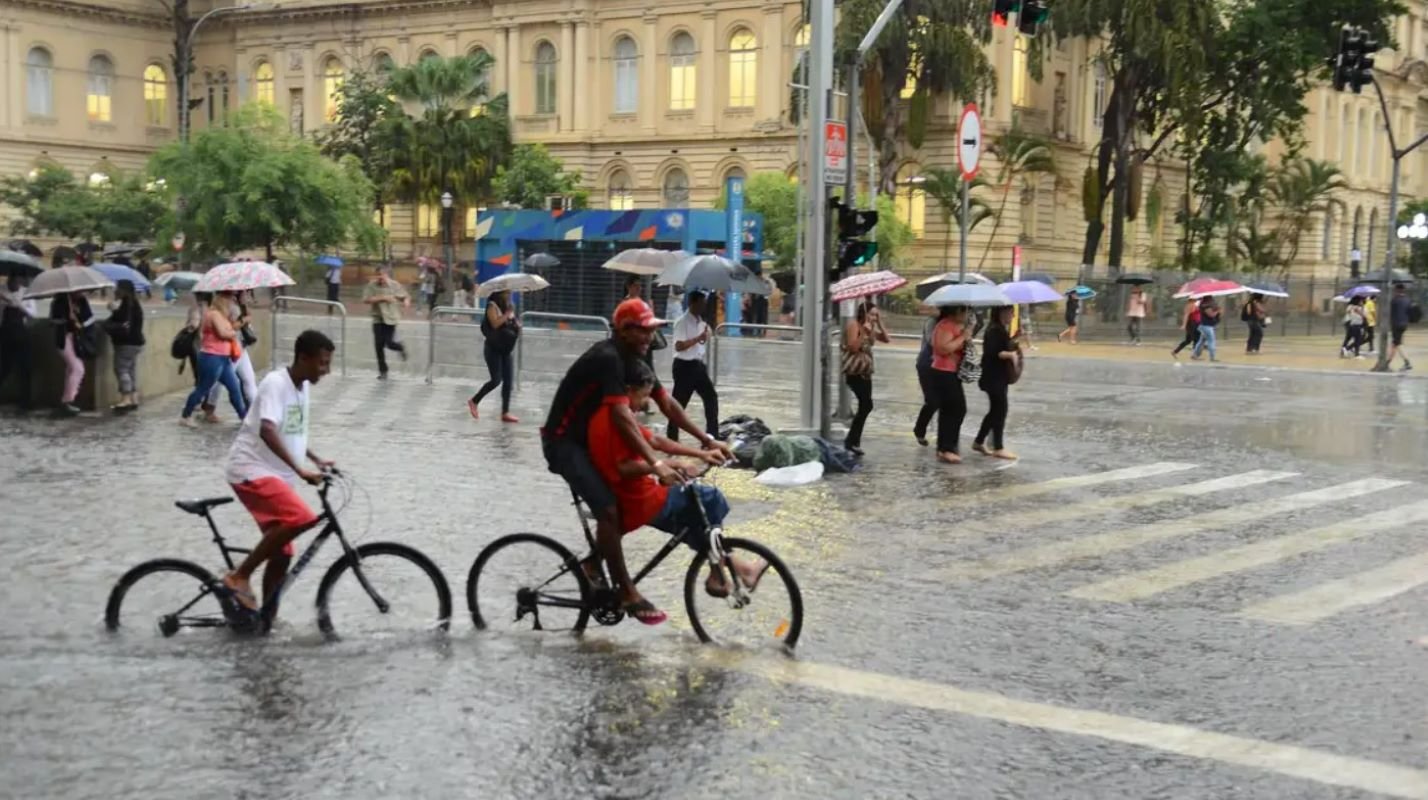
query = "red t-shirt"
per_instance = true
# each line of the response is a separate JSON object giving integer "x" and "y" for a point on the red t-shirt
{"x": 639, "y": 499}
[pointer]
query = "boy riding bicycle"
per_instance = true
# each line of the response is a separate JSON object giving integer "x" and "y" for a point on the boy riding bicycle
{"x": 644, "y": 499}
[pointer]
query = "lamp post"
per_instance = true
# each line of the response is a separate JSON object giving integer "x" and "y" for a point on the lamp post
{"x": 446, "y": 201}
{"x": 185, "y": 57}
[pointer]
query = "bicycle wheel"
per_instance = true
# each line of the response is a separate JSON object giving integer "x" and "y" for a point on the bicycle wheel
{"x": 175, "y": 596}
{"x": 526, "y": 581}
{"x": 396, "y": 591}
{"x": 773, "y": 613}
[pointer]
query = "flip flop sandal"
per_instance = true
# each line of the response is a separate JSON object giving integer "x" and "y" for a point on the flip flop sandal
{"x": 244, "y": 599}
{"x": 644, "y": 612}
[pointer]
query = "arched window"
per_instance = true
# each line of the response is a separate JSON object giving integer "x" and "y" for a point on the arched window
{"x": 627, "y": 78}
{"x": 545, "y": 66}
{"x": 800, "y": 51}
{"x": 1020, "y": 74}
{"x": 428, "y": 55}
{"x": 911, "y": 201}
{"x": 331, "y": 87}
{"x": 212, "y": 103}
{"x": 263, "y": 89}
{"x": 428, "y": 220}
{"x": 39, "y": 83}
{"x": 1028, "y": 211}
{"x": 223, "y": 103}
{"x": 1327, "y": 246}
{"x": 99, "y": 99}
{"x": 681, "y": 72}
{"x": 382, "y": 64}
{"x": 743, "y": 68}
{"x": 483, "y": 77}
{"x": 620, "y": 196}
{"x": 676, "y": 189}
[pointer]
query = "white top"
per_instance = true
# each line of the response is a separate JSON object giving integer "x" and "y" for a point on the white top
{"x": 286, "y": 406}
{"x": 334, "y": 275}
{"x": 689, "y": 326}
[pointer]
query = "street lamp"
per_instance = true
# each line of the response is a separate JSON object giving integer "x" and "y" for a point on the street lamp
{"x": 446, "y": 201}
{"x": 185, "y": 56}
{"x": 1417, "y": 231}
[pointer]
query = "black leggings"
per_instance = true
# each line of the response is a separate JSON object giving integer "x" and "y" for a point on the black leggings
{"x": 501, "y": 365}
{"x": 995, "y": 422}
{"x": 862, "y": 387}
{"x": 929, "y": 402}
{"x": 951, "y": 410}
{"x": 1192, "y": 336}
{"x": 1256, "y": 336}
{"x": 1353, "y": 338}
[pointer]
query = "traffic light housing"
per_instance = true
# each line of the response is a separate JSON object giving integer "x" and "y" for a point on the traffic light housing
{"x": 853, "y": 225}
{"x": 1033, "y": 13}
{"x": 1002, "y": 11}
{"x": 1352, "y": 66}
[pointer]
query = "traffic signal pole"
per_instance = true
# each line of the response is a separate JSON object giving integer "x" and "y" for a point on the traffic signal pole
{"x": 815, "y": 242}
{"x": 1392, "y": 250}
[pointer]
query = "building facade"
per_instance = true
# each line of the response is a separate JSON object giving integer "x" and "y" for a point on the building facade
{"x": 655, "y": 105}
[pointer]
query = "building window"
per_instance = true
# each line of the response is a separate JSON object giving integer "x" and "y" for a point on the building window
{"x": 471, "y": 216}
{"x": 382, "y": 64}
{"x": 800, "y": 49}
{"x": 676, "y": 189}
{"x": 156, "y": 96}
{"x": 743, "y": 68}
{"x": 223, "y": 103}
{"x": 911, "y": 201}
{"x": 620, "y": 196}
{"x": 483, "y": 80}
{"x": 1020, "y": 75}
{"x": 263, "y": 91}
{"x": 212, "y": 102}
{"x": 1098, "y": 96}
{"x": 39, "y": 82}
{"x": 428, "y": 220}
{"x": 545, "y": 65}
{"x": 681, "y": 72}
{"x": 331, "y": 86}
{"x": 99, "y": 100}
{"x": 627, "y": 80}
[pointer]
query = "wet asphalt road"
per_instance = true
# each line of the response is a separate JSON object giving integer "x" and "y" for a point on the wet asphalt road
{"x": 1064, "y": 627}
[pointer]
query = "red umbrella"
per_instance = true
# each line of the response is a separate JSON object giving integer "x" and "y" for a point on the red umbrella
{"x": 1208, "y": 287}
{"x": 866, "y": 285}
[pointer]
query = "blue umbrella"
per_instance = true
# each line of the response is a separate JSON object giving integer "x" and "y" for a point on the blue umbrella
{"x": 1361, "y": 291}
{"x": 1025, "y": 293}
{"x": 1083, "y": 292}
{"x": 119, "y": 272}
{"x": 329, "y": 261}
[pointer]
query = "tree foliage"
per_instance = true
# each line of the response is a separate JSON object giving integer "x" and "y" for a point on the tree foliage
{"x": 1270, "y": 211}
{"x": 945, "y": 187}
{"x": 775, "y": 197}
{"x": 365, "y": 109}
{"x": 1019, "y": 155}
{"x": 534, "y": 175}
{"x": 55, "y": 203}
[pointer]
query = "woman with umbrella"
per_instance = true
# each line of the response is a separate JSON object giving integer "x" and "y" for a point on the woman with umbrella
{"x": 16, "y": 311}
{"x": 1001, "y": 360}
{"x": 70, "y": 313}
{"x": 949, "y": 343}
{"x": 1191, "y": 323}
{"x": 126, "y": 330}
{"x": 1209, "y": 323}
{"x": 858, "y": 338}
{"x": 242, "y": 365}
{"x": 1073, "y": 310}
{"x": 217, "y": 350}
{"x": 1354, "y": 318}
{"x": 501, "y": 328}
{"x": 1253, "y": 314}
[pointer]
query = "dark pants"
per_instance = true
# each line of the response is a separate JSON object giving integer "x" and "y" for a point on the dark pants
{"x": 929, "y": 402}
{"x": 690, "y": 378}
{"x": 951, "y": 409}
{"x": 1353, "y": 337}
{"x": 334, "y": 290}
{"x": 995, "y": 422}
{"x": 15, "y": 360}
{"x": 1368, "y": 337}
{"x": 1192, "y": 337}
{"x": 1256, "y": 335}
{"x": 501, "y": 364}
{"x": 385, "y": 338}
{"x": 862, "y": 388}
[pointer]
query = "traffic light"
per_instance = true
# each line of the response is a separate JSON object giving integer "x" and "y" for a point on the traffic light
{"x": 853, "y": 225}
{"x": 1002, "y": 11}
{"x": 1033, "y": 13}
{"x": 1352, "y": 66}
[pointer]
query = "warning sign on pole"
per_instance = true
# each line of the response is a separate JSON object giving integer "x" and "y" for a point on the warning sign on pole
{"x": 835, "y": 153}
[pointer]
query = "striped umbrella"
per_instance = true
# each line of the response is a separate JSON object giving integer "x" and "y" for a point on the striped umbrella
{"x": 867, "y": 284}
{"x": 240, "y": 276}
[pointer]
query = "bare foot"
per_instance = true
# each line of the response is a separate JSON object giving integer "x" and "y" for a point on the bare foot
{"x": 949, "y": 458}
{"x": 471, "y": 406}
{"x": 242, "y": 591}
{"x": 512, "y": 418}
{"x": 1003, "y": 453}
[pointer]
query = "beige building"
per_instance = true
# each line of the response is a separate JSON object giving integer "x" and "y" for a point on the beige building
{"x": 654, "y": 103}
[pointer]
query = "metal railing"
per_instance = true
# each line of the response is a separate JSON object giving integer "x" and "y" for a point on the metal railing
{"x": 553, "y": 317}
{"x": 280, "y": 302}
{"x": 431, "y": 334}
{"x": 723, "y": 326}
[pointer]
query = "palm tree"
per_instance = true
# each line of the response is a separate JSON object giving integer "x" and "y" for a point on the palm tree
{"x": 1018, "y": 154}
{"x": 1302, "y": 189}
{"x": 945, "y": 186}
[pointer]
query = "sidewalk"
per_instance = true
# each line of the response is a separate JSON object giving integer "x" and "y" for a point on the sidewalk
{"x": 1309, "y": 353}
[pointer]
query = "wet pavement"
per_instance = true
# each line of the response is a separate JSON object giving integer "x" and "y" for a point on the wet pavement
{"x": 1195, "y": 584}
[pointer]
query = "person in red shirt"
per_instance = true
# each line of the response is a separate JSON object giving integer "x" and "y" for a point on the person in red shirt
{"x": 643, "y": 499}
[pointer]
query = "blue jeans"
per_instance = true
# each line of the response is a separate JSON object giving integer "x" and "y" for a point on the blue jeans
{"x": 1207, "y": 341}
{"x": 679, "y": 512}
{"x": 214, "y": 369}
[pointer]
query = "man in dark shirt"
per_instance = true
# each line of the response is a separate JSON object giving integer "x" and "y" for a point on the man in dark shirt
{"x": 1398, "y": 313}
{"x": 597, "y": 379}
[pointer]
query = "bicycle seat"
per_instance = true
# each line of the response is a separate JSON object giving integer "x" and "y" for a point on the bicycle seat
{"x": 201, "y": 507}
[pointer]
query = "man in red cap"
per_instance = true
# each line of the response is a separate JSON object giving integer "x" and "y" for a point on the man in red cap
{"x": 597, "y": 379}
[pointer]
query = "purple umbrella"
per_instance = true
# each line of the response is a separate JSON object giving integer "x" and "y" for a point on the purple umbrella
{"x": 1025, "y": 293}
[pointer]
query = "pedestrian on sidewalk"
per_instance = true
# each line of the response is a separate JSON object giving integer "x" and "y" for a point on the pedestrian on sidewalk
{"x": 1190, "y": 321}
{"x": 1001, "y": 366}
{"x": 1370, "y": 321}
{"x": 1137, "y": 308}
{"x": 383, "y": 295}
{"x": 465, "y": 294}
{"x": 691, "y": 374}
{"x": 72, "y": 317}
{"x": 334, "y": 286}
{"x": 242, "y": 365}
{"x": 926, "y": 384}
{"x": 217, "y": 350}
{"x": 858, "y": 338}
{"x": 949, "y": 343}
{"x": 1253, "y": 315}
{"x": 501, "y": 328}
{"x": 16, "y": 311}
{"x": 1209, "y": 322}
{"x": 1353, "y": 328}
{"x": 126, "y": 332}
{"x": 1400, "y": 313}
{"x": 1073, "y": 312}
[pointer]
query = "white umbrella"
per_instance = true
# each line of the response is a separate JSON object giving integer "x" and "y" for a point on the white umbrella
{"x": 514, "y": 282}
{"x": 67, "y": 279}
{"x": 541, "y": 261}
{"x": 182, "y": 281}
{"x": 645, "y": 261}
{"x": 712, "y": 273}
{"x": 975, "y": 295}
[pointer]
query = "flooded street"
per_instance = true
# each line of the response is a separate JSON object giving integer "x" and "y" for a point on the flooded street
{"x": 1197, "y": 583}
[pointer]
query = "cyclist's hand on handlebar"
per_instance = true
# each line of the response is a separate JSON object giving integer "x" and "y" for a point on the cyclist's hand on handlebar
{"x": 668, "y": 476}
{"x": 724, "y": 451}
{"x": 326, "y": 465}
{"x": 311, "y": 476}
{"x": 713, "y": 458}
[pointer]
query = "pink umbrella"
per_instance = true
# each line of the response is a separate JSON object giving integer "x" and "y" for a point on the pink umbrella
{"x": 866, "y": 285}
{"x": 240, "y": 276}
{"x": 1208, "y": 287}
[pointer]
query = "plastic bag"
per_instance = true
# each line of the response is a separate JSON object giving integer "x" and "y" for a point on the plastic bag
{"x": 786, "y": 477}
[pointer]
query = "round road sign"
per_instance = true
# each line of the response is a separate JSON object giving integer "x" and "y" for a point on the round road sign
{"x": 969, "y": 141}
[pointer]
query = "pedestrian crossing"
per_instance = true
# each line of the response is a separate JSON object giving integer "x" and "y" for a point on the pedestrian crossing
{"x": 1132, "y": 570}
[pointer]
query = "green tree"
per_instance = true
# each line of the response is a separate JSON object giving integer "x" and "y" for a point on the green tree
{"x": 945, "y": 186}
{"x": 775, "y": 197}
{"x": 533, "y": 175}
{"x": 1302, "y": 190}
{"x": 55, "y": 203}
{"x": 253, "y": 184}
{"x": 895, "y": 237}
{"x": 1019, "y": 154}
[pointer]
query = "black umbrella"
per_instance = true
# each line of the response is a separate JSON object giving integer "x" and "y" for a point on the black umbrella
{"x": 24, "y": 246}
{"x": 1135, "y": 279}
{"x": 13, "y": 262}
{"x": 784, "y": 279}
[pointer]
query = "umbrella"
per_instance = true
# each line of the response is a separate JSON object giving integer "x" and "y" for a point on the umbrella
{"x": 866, "y": 285}
{"x": 328, "y": 261}
{"x": 645, "y": 261}
{"x": 513, "y": 282}
{"x": 1135, "y": 279}
{"x": 131, "y": 250}
{"x": 927, "y": 286}
{"x": 67, "y": 279}
{"x": 13, "y": 262}
{"x": 240, "y": 276}
{"x": 180, "y": 281}
{"x": 1082, "y": 292}
{"x": 24, "y": 246}
{"x": 1208, "y": 287}
{"x": 119, "y": 272}
{"x": 541, "y": 261}
{"x": 1268, "y": 289}
{"x": 1396, "y": 276}
{"x": 976, "y": 295}
{"x": 1040, "y": 277}
{"x": 1025, "y": 293}
{"x": 1360, "y": 291}
{"x": 714, "y": 273}
{"x": 784, "y": 279}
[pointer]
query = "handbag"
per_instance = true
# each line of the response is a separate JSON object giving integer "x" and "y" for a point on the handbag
{"x": 247, "y": 335}
{"x": 1014, "y": 369}
{"x": 970, "y": 370}
{"x": 86, "y": 342}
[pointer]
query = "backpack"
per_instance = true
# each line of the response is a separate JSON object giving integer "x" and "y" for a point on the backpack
{"x": 1245, "y": 313}
{"x": 184, "y": 345}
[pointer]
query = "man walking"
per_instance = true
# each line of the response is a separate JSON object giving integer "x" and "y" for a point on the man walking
{"x": 382, "y": 295}
{"x": 334, "y": 285}
{"x": 691, "y": 376}
{"x": 1400, "y": 310}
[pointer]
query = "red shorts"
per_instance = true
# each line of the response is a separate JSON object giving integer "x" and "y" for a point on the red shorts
{"x": 274, "y": 503}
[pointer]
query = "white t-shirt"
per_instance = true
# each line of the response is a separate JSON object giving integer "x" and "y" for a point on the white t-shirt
{"x": 286, "y": 406}
{"x": 689, "y": 326}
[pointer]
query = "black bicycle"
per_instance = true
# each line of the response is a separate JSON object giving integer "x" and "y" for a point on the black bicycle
{"x": 527, "y": 581}
{"x": 404, "y": 588}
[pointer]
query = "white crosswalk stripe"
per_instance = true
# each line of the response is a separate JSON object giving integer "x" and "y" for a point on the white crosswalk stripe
{"x": 1076, "y": 482}
{"x": 1335, "y": 597}
{"x": 1150, "y": 582}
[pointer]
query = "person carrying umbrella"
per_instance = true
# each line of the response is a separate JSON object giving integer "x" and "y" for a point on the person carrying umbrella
{"x": 1370, "y": 320}
{"x": 1190, "y": 321}
{"x": 1137, "y": 309}
{"x": 126, "y": 331}
{"x": 1353, "y": 328}
{"x": 1209, "y": 322}
{"x": 634, "y": 290}
{"x": 218, "y": 349}
{"x": 501, "y": 328}
{"x": 691, "y": 376}
{"x": 1253, "y": 314}
{"x": 70, "y": 313}
{"x": 1073, "y": 310}
{"x": 858, "y": 338}
{"x": 15, "y": 314}
{"x": 949, "y": 343}
{"x": 1001, "y": 359}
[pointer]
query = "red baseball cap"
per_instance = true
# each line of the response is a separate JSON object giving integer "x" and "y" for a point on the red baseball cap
{"x": 636, "y": 313}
